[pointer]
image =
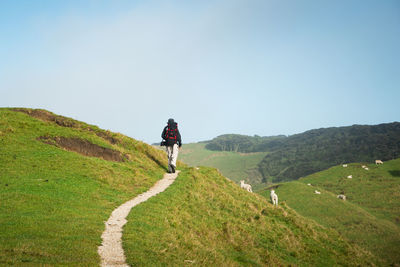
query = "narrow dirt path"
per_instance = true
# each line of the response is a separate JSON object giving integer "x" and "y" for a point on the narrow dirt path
{"x": 111, "y": 251}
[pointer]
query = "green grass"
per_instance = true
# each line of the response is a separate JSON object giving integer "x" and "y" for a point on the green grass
{"x": 204, "y": 219}
{"x": 377, "y": 190}
{"x": 53, "y": 203}
{"x": 236, "y": 166}
{"x": 369, "y": 217}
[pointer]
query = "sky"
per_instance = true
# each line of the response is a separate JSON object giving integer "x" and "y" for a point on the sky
{"x": 253, "y": 67}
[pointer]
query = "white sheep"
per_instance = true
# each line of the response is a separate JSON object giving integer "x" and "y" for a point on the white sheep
{"x": 317, "y": 192}
{"x": 274, "y": 198}
{"x": 341, "y": 197}
{"x": 350, "y": 176}
{"x": 308, "y": 184}
{"x": 245, "y": 186}
{"x": 378, "y": 161}
{"x": 344, "y": 165}
{"x": 364, "y": 167}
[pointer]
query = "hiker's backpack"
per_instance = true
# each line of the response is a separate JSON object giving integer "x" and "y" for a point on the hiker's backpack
{"x": 171, "y": 134}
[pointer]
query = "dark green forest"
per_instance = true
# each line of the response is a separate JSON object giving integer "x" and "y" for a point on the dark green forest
{"x": 299, "y": 155}
{"x": 245, "y": 143}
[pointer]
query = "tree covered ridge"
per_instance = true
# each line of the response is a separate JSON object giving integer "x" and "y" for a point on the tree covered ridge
{"x": 299, "y": 155}
{"x": 244, "y": 143}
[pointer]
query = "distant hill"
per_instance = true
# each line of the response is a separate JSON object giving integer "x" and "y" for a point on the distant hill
{"x": 299, "y": 155}
{"x": 244, "y": 143}
{"x": 234, "y": 165}
{"x": 370, "y": 217}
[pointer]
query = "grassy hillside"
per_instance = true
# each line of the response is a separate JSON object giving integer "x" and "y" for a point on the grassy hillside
{"x": 377, "y": 190}
{"x": 53, "y": 202}
{"x": 234, "y": 165}
{"x": 60, "y": 180}
{"x": 370, "y": 217}
{"x": 204, "y": 219}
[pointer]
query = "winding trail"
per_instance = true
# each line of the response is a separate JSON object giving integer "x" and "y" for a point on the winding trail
{"x": 110, "y": 250}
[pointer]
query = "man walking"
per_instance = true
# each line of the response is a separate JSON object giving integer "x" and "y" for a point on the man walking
{"x": 173, "y": 142}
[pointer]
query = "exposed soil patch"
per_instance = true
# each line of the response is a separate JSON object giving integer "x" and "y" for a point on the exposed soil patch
{"x": 105, "y": 136}
{"x": 44, "y": 115}
{"x": 47, "y": 116}
{"x": 84, "y": 147}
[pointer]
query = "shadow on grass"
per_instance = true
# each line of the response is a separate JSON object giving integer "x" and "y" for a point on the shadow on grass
{"x": 155, "y": 159}
{"x": 395, "y": 173}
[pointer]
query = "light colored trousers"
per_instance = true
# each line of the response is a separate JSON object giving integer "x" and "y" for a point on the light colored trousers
{"x": 172, "y": 152}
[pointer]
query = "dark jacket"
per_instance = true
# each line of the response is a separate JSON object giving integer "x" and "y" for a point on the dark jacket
{"x": 171, "y": 142}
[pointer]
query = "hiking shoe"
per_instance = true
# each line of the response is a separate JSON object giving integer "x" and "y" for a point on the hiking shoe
{"x": 173, "y": 168}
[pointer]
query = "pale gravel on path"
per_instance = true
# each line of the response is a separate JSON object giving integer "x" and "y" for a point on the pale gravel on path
{"x": 111, "y": 251}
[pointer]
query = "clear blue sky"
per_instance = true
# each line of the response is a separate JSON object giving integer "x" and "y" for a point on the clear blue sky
{"x": 263, "y": 67}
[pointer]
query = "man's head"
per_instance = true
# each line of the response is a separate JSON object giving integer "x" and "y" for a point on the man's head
{"x": 171, "y": 121}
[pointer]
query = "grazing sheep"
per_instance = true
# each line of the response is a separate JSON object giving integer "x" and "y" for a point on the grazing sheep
{"x": 274, "y": 198}
{"x": 341, "y": 197}
{"x": 344, "y": 165}
{"x": 350, "y": 176}
{"x": 308, "y": 184}
{"x": 245, "y": 186}
{"x": 364, "y": 167}
{"x": 317, "y": 192}
{"x": 378, "y": 161}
